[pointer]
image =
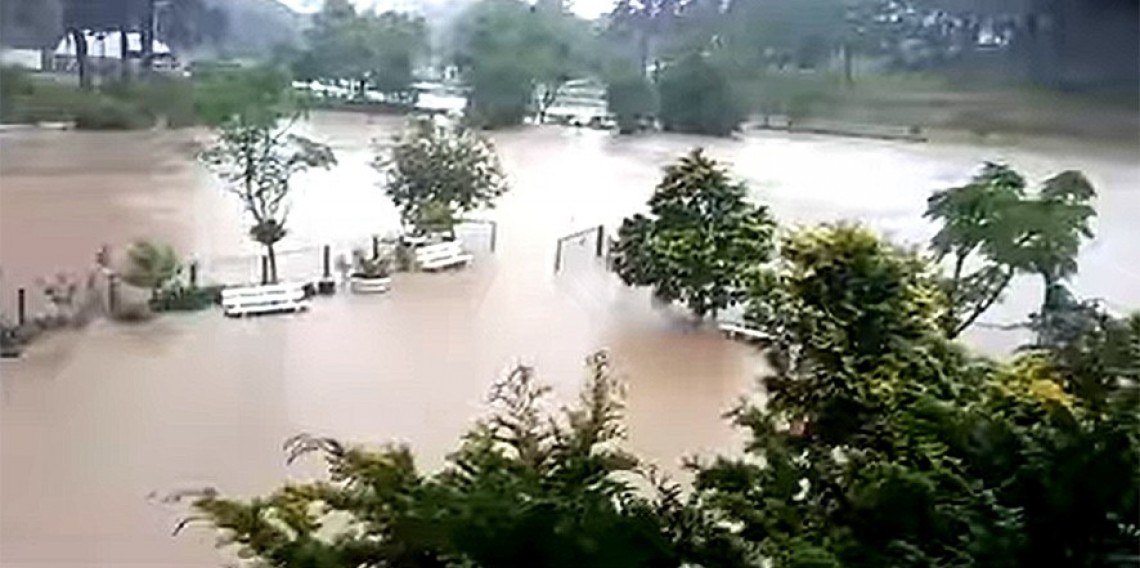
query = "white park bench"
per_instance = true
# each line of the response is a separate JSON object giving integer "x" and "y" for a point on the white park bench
{"x": 737, "y": 330}
{"x": 441, "y": 255}
{"x": 270, "y": 298}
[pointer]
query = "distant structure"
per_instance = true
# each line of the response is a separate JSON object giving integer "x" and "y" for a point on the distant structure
{"x": 24, "y": 58}
{"x": 105, "y": 52}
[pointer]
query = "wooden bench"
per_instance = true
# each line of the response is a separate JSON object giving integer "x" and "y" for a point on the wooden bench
{"x": 736, "y": 330}
{"x": 271, "y": 298}
{"x": 442, "y": 255}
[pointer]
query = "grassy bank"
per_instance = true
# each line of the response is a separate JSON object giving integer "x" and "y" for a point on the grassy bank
{"x": 935, "y": 103}
{"x": 31, "y": 98}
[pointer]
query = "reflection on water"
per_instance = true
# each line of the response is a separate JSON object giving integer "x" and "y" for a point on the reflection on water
{"x": 91, "y": 423}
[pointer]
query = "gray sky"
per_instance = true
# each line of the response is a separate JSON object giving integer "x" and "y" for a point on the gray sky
{"x": 584, "y": 8}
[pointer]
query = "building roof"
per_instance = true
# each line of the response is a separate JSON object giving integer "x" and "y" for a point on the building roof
{"x": 106, "y": 44}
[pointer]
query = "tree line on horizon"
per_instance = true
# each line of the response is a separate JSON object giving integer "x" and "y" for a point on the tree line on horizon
{"x": 693, "y": 64}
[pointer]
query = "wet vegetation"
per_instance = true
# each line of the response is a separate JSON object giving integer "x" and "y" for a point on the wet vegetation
{"x": 881, "y": 441}
{"x": 1009, "y": 66}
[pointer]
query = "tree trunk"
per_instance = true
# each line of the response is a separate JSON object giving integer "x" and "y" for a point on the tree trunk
{"x": 272, "y": 263}
{"x": 848, "y": 68}
{"x": 124, "y": 52}
{"x": 643, "y": 52}
{"x": 80, "y": 40}
{"x": 147, "y": 37}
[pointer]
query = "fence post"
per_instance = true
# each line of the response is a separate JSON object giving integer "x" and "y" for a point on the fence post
{"x": 327, "y": 262}
{"x": 112, "y": 294}
{"x": 558, "y": 257}
{"x": 494, "y": 234}
{"x": 264, "y": 270}
{"x": 375, "y": 246}
{"x": 21, "y": 306}
{"x": 601, "y": 241}
{"x": 194, "y": 274}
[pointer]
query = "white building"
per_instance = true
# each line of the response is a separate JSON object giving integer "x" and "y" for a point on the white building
{"x": 104, "y": 50}
{"x": 23, "y": 58}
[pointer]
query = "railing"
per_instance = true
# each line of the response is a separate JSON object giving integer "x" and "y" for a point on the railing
{"x": 599, "y": 243}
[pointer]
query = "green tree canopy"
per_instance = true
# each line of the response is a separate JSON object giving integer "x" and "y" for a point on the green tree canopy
{"x": 629, "y": 97}
{"x": 699, "y": 240}
{"x": 434, "y": 173}
{"x": 697, "y": 97}
{"x": 366, "y": 49}
{"x": 992, "y": 229}
{"x": 515, "y": 57}
{"x": 883, "y": 444}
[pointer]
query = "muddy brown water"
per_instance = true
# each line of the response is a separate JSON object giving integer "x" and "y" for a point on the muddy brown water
{"x": 93, "y": 422}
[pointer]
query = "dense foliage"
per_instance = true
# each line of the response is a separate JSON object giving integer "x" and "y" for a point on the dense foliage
{"x": 882, "y": 444}
{"x": 699, "y": 240}
{"x": 367, "y": 50}
{"x": 630, "y": 98}
{"x": 515, "y": 57}
{"x": 434, "y": 173}
{"x": 881, "y": 441}
{"x": 992, "y": 229}
{"x": 151, "y": 265}
{"x": 697, "y": 97}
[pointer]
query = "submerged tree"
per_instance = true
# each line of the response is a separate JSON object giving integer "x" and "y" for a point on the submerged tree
{"x": 525, "y": 488}
{"x": 700, "y": 240}
{"x": 992, "y": 229}
{"x": 881, "y": 443}
{"x": 630, "y": 98}
{"x": 256, "y": 162}
{"x": 979, "y": 233}
{"x": 435, "y": 173}
{"x": 255, "y": 153}
{"x": 697, "y": 97}
{"x": 515, "y": 57}
{"x": 365, "y": 49}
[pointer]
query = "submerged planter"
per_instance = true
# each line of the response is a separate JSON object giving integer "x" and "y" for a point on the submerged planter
{"x": 362, "y": 284}
{"x": 10, "y": 351}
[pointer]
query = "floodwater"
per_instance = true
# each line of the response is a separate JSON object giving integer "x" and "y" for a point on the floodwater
{"x": 93, "y": 422}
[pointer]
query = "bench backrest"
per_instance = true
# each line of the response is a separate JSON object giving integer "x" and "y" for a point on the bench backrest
{"x": 258, "y": 294}
{"x": 441, "y": 250}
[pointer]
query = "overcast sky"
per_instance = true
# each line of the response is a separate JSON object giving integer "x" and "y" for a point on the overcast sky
{"x": 584, "y": 8}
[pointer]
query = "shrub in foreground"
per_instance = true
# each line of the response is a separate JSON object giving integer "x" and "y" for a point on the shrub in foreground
{"x": 525, "y": 488}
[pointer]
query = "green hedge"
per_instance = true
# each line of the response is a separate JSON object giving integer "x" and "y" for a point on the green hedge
{"x": 186, "y": 299}
{"x": 28, "y": 99}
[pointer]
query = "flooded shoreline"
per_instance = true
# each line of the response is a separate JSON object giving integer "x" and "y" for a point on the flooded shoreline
{"x": 92, "y": 422}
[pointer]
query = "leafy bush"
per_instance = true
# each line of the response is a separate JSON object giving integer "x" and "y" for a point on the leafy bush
{"x": 179, "y": 298}
{"x": 436, "y": 173}
{"x": 105, "y": 113}
{"x": 697, "y": 97}
{"x": 526, "y": 487}
{"x": 630, "y": 98}
{"x": 152, "y": 266}
{"x": 699, "y": 241}
{"x": 378, "y": 267}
